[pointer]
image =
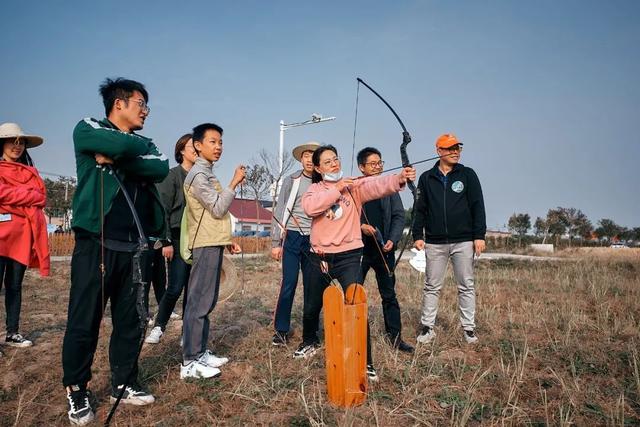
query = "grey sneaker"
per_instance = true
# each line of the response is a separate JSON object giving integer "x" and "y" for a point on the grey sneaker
{"x": 133, "y": 395}
{"x": 198, "y": 369}
{"x": 306, "y": 350}
{"x": 80, "y": 410}
{"x": 426, "y": 335}
{"x": 470, "y": 336}
{"x": 210, "y": 359}
{"x": 17, "y": 340}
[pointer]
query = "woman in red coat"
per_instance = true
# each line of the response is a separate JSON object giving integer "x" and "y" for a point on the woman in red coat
{"x": 23, "y": 228}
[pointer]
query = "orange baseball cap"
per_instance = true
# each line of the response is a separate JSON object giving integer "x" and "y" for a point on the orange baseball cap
{"x": 447, "y": 140}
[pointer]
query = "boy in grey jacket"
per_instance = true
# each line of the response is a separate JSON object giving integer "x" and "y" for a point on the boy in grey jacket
{"x": 209, "y": 232}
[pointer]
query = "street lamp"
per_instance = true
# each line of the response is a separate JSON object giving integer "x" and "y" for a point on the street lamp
{"x": 315, "y": 118}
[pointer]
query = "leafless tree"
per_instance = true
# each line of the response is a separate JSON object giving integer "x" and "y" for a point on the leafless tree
{"x": 256, "y": 184}
{"x": 271, "y": 166}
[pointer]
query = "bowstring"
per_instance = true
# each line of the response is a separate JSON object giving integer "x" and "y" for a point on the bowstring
{"x": 102, "y": 266}
{"x": 312, "y": 250}
{"x": 384, "y": 261}
{"x": 355, "y": 127}
{"x": 241, "y": 236}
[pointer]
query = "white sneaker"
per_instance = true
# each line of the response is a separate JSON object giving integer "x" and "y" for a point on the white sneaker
{"x": 212, "y": 360}
{"x": 197, "y": 369}
{"x": 426, "y": 335}
{"x": 174, "y": 315}
{"x": 133, "y": 395}
{"x": 470, "y": 336}
{"x": 154, "y": 336}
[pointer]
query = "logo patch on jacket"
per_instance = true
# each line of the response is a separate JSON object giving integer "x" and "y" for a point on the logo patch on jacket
{"x": 457, "y": 186}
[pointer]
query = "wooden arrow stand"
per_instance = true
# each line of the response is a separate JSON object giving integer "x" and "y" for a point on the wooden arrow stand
{"x": 345, "y": 331}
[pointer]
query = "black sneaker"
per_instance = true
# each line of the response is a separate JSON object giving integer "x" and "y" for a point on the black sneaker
{"x": 133, "y": 395}
{"x": 280, "y": 339}
{"x": 306, "y": 350}
{"x": 372, "y": 374}
{"x": 17, "y": 340}
{"x": 403, "y": 346}
{"x": 399, "y": 344}
{"x": 80, "y": 410}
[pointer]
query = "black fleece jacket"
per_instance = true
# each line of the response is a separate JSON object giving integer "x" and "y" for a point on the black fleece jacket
{"x": 450, "y": 214}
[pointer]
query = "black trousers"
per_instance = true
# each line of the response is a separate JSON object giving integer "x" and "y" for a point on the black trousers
{"x": 87, "y": 300}
{"x": 178, "y": 280}
{"x": 387, "y": 289}
{"x": 11, "y": 274}
{"x": 158, "y": 267}
{"x": 343, "y": 267}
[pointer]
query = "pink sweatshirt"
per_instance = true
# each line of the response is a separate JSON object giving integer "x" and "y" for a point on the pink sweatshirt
{"x": 342, "y": 233}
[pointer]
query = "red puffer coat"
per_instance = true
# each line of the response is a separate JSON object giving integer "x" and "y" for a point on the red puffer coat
{"x": 23, "y": 228}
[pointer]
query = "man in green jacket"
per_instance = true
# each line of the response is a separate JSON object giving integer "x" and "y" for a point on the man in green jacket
{"x": 106, "y": 241}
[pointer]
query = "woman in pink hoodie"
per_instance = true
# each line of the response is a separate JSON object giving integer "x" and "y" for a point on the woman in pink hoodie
{"x": 335, "y": 204}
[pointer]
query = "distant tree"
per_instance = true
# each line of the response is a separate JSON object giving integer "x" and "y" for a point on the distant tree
{"x": 556, "y": 223}
{"x": 59, "y": 197}
{"x": 578, "y": 225}
{"x": 627, "y": 234}
{"x": 540, "y": 228}
{"x": 271, "y": 165}
{"x": 519, "y": 224}
{"x": 608, "y": 229}
{"x": 256, "y": 183}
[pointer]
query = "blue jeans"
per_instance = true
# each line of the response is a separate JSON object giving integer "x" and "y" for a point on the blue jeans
{"x": 295, "y": 256}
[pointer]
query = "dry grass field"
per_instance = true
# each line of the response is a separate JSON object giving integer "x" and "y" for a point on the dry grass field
{"x": 559, "y": 345}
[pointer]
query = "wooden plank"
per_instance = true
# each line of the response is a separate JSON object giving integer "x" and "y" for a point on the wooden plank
{"x": 333, "y": 303}
{"x": 355, "y": 345}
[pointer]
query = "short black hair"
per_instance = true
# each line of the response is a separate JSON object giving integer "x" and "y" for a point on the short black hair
{"x": 315, "y": 176}
{"x": 119, "y": 88}
{"x": 364, "y": 154}
{"x": 200, "y": 130}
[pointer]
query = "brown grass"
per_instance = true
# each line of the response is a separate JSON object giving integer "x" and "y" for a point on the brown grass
{"x": 558, "y": 346}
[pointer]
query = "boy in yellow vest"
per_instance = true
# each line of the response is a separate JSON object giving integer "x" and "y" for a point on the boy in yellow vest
{"x": 209, "y": 232}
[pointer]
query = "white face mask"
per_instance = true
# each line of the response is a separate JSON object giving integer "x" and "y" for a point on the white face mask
{"x": 332, "y": 176}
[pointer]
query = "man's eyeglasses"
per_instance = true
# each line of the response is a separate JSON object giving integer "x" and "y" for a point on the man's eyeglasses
{"x": 375, "y": 164}
{"x": 329, "y": 162}
{"x": 141, "y": 103}
{"x": 453, "y": 148}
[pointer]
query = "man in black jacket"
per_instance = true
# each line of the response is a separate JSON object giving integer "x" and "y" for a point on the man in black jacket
{"x": 382, "y": 225}
{"x": 450, "y": 218}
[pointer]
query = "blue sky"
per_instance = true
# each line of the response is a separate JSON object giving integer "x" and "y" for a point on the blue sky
{"x": 544, "y": 94}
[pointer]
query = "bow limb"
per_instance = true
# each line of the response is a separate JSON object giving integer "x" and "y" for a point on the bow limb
{"x": 406, "y": 139}
{"x": 138, "y": 281}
